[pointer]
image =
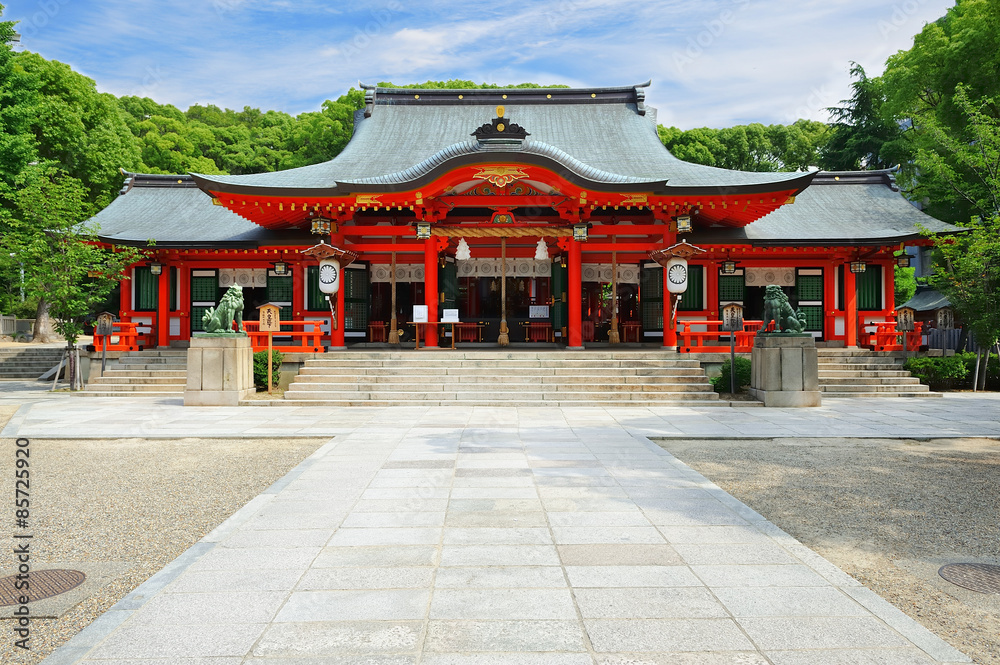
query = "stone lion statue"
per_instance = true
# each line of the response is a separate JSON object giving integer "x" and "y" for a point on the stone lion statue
{"x": 778, "y": 309}
{"x": 220, "y": 319}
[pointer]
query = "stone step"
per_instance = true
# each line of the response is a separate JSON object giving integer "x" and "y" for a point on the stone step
{"x": 518, "y": 398}
{"x": 470, "y": 403}
{"x": 875, "y": 395}
{"x": 130, "y": 395}
{"x": 506, "y": 364}
{"x": 519, "y": 388}
{"x": 141, "y": 373}
{"x": 311, "y": 370}
{"x": 870, "y": 380}
{"x": 137, "y": 387}
{"x": 501, "y": 355}
{"x": 312, "y": 377}
{"x": 145, "y": 380}
{"x": 169, "y": 360}
{"x": 876, "y": 388}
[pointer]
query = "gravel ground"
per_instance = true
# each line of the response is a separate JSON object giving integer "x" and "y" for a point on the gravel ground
{"x": 888, "y": 512}
{"x": 141, "y": 502}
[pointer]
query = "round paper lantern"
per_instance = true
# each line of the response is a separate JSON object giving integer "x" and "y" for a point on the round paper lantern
{"x": 329, "y": 275}
{"x": 677, "y": 275}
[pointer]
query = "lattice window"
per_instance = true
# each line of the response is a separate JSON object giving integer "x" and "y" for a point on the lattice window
{"x": 279, "y": 289}
{"x": 651, "y": 298}
{"x": 731, "y": 288}
{"x": 204, "y": 289}
{"x": 197, "y": 312}
{"x": 809, "y": 288}
{"x": 870, "y": 289}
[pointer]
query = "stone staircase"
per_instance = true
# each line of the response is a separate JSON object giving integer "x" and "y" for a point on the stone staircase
{"x": 154, "y": 373}
{"x": 501, "y": 378}
{"x": 864, "y": 373}
{"x": 28, "y": 362}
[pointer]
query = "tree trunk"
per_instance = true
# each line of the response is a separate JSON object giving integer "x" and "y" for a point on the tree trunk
{"x": 982, "y": 370}
{"x": 43, "y": 332}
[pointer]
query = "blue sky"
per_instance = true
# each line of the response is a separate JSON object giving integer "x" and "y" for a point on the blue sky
{"x": 713, "y": 62}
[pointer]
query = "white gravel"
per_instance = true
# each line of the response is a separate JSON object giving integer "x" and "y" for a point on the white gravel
{"x": 888, "y": 512}
{"x": 141, "y": 502}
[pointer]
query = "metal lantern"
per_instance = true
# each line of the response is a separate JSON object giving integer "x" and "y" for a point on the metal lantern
{"x": 903, "y": 261}
{"x": 321, "y": 226}
{"x": 329, "y": 276}
{"x": 684, "y": 224}
{"x": 858, "y": 266}
{"x": 280, "y": 268}
{"x": 580, "y": 232}
{"x": 155, "y": 268}
{"x": 423, "y": 230}
{"x": 677, "y": 274}
{"x": 729, "y": 267}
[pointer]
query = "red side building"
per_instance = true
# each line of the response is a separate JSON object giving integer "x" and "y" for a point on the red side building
{"x": 503, "y": 170}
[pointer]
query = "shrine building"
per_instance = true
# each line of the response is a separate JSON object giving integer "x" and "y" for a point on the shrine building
{"x": 568, "y": 192}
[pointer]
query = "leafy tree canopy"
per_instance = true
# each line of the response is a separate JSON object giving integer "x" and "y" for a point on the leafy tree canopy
{"x": 753, "y": 147}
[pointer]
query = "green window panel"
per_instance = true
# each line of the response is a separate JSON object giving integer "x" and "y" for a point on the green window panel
{"x": 651, "y": 298}
{"x": 279, "y": 289}
{"x": 174, "y": 274}
{"x": 693, "y": 300}
{"x": 145, "y": 289}
{"x": 814, "y": 317}
{"x": 869, "y": 285}
{"x": 204, "y": 289}
{"x": 731, "y": 288}
{"x": 809, "y": 288}
{"x": 356, "y": 306}
{"x": 316, "y": 299}
{"x": 560, "y": 313}
{"x": 448, "y": 284}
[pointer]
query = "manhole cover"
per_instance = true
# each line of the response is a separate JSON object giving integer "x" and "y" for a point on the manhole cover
{"x": 981, "y": 577}
{"x": 44, "y": 584}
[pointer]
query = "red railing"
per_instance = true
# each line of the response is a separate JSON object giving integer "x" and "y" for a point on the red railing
{"x": 126, "y": 337}
{"x": 694, "y": 341}
{"x": 887, "y": 338}
{"x": 308, "y": 333}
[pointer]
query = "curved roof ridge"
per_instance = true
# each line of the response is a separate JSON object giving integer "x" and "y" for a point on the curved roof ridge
{"x": 475, "y": 147}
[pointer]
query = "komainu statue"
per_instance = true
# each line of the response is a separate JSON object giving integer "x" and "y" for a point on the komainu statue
{"x": 778, "y": 309}
{"x": 220, "y": 319}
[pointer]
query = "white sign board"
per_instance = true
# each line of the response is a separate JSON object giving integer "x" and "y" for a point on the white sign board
{"x": 449, "y": 316}
{"x": 420, "y": 313}
{"x": 538, "y": 311}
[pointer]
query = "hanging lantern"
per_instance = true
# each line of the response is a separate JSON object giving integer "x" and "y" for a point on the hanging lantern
{"x": 463, "y": 253}
{"x": 329, "y": 275}
{"x": 677, "y": 275}
{"x": 542, "y": 250}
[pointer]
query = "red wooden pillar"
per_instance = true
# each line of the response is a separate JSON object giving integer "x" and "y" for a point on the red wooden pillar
{"x": 575, "y": 294}
{"x": 184, "y": 293}
{"x": 125, "y": 293}
{"x": 830, "y": 301}
{"x": 850, "y": 307}
{"x": 431, "y": 288}
{"x": 669, "y": 332}
{"x": 298, "y": 289}
{"x": 163, "y": 308}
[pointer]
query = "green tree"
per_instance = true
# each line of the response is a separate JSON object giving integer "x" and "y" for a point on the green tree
{"x": 862, "y": 137}
{"x": 69, "y": 271}
{"x": 967, "y": 269}
{"x": 753, "y": 147}
{"x": 961, "y": 48}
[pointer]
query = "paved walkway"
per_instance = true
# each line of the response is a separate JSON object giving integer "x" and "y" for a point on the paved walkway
{"x": 489, "y": 536}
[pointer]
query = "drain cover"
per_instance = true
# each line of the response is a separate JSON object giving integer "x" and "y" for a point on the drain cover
{"x": 981, "y": 577}
{"x": 44, "y": 584}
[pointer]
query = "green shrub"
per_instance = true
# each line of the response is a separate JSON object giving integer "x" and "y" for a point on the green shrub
{"x": 939, "y": 373}
{"x": 992, "y": 370}
{"x": 260, "y": 369}
{"x": 722, "y": 383}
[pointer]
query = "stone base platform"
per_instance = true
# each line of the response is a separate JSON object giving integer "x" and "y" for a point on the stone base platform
{"x": 785, "y": 371}
{"x": 219, "y": 371}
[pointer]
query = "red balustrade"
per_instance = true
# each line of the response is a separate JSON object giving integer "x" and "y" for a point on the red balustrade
{"x": 308, "y": 333}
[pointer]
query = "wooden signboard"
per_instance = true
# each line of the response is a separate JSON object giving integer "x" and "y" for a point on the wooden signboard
{"x": 270, "y": 322}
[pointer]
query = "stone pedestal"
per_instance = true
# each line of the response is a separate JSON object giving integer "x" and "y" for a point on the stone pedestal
{"x": 219, "y": 371}
{"x": 785, "y": 370}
